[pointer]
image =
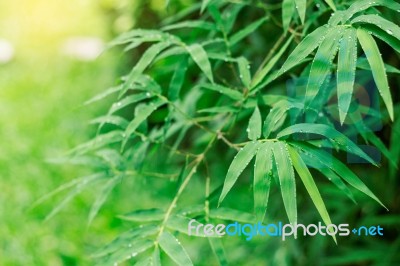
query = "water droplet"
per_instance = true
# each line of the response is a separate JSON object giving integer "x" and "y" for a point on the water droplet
{"x": 389, "y": 32}
{"x": 118, "y": 104}
{"x": 148, "y": 94}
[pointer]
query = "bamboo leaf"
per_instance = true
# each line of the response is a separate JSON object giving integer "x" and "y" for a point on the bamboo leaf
{"x": 305, "y": 47}
{"x": 240, "y": 35}
{"x": 180, "y": 223}
{"x": 170, "y": 245}
{"x": 239, "y": 163}
{"x": 328, "y": 132}
{"x": 341, "y": 169}
{"x": 286, "y": 179}
{"x": 322, "y": 63}
{"x": 218, "y": 249}
{"x": 143, "y": 112}
{"x": 301, "y": 6}
{"x": 378, "y": 21}
{"x": 374, "y": 58}
{"x": 198, "y": 24}
{"x": 102, "y": 197}
{"x": 260, "y": 75}
{"x": 254, "y": 128}
{"x": 244, "y": 71}
{"x": 177, "y": 80}
{"x": 346, "y": 71}
{"x": 384, "y": 36}
{"x": 331, "y": 4}
{"x": 233, "y": 94}
{"x": 262, "y": 180}
{"x": 200, "y": 56}
{"x": 311, "y": 187}
{"x": 288, "y": 8}
{"x": 143, "y": 63}
{"x": 204, "y": 5}
{"x": 360, "y": 6}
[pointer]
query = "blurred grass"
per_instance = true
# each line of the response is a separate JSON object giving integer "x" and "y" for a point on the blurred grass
{"x": 41, "y": 116}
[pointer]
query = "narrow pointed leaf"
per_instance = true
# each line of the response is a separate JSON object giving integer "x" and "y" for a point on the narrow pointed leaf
{"x": 143, "y": 112}
{"x": 244, "y": 71}
{"x": 331, "y": 4}
{"x": 341, "y": 169}
{"x": 288, "y": 7}
{"x": 200, "y": 56}
{"x": 170, "y": 245}
{"x": 305, "y": 47}
{"x": 301, "y": 6}
{"x": 286, "y": 179}
{"x": 311, "y": 187}
{"x": 375, "y": 60}
{"x": 238, "y": 36}
{"x": 143, "y": 63}
{"x": 262, "y": 180}
{"x": 239, "y": 163}
{"x": 254, "y": 128}
{"x": 218, "y": 249}
{"x": 346, "y": 71}
{"x": 231, "y": 93}
{"x": 360, "y": 6}
{"x": 177, "y": 80}
{"x": 322, "y": 63}
{"x": 102, "y": 197}
{"x": 378, "y": 21}
{"x": 328, "y": 132}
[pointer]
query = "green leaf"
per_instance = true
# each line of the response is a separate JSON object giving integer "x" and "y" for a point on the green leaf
{"x": 177, "y": 80}
{"x": 262, "y": 179}
{"x": 102, "y": 197}
{"x": 360, "y": 6}
{"x": 322, "y": 63}
{"x": 346, "y": 71}
{"x": 128, "y": 100}
{"x": 124, "y": 239}
{"x": 301, "y": 6}
{"x": 362, "y": 63}
{"x": 111, "y": 119}
{"x": 378, "y": 21}
{"x": 328, "y": 132}
{"x": 239, "y": 163}
{"x": 288, "y": 8}
{"x": 218, "y": 249}
{"x": 200, "y": 56}
{"x": 199, "y": 24}
{"x": 244, "y": 71}
{"x": 341, "y": 169}
{"x": 305, "y": 47}
{"x": 233, "y": 94}
{"x": 240, "y": 35}
{"x": 374, "y": 58}
{"x": 170, "y": 245}
{"x": 104, "y": 94}
{"x": 315, "y": 162}
{"x": 143, "y": 112}
{"x": 311, "y": 187}
{"x": 125, "y": 253}
{"x": 331, "y": 4}
{"x": 384, "y": 36}
{"x": 260, "y": 75}
{"x": 232, "y": 215}
{"x": 143, "y": 63}
{"x": 254, "y": 128}
{"x": 148, "y": 215}
{"x": 286, "y": 179}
